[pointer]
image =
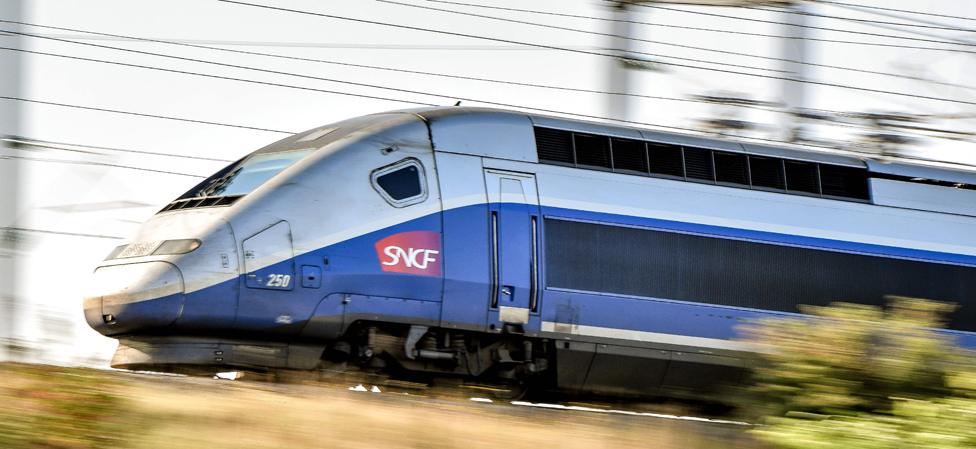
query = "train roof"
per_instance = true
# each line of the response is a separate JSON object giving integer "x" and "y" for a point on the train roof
{"x": 489, "y": 117}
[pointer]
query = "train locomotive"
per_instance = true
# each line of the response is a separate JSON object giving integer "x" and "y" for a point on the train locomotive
{"x": 489, "y": 244}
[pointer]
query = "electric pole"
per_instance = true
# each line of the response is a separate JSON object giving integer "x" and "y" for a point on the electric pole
{"x": 794, "y": 49}
{"x": 10, "y": 123}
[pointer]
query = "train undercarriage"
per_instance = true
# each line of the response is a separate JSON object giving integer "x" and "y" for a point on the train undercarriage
{"x": 504, "y": 365}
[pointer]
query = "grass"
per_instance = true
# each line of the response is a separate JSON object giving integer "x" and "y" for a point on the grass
{"x": 53, "y": 407}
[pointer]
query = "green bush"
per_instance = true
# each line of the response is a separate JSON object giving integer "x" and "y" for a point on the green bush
{"x": 855, "y": 376}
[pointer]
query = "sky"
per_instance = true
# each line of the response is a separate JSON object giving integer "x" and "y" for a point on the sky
{"x": 90, "y": 192}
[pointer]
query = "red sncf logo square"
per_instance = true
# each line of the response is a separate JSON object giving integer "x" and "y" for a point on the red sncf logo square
{"x": 415, "y": 252}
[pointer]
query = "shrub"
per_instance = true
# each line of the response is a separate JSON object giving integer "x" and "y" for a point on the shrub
{"x": 855, "y": 376}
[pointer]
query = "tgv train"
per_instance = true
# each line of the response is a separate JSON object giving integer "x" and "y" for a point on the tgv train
{"x": 499, "y": 245}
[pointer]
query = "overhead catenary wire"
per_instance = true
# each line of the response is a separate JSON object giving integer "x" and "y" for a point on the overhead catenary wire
{"x": 474, "y": 36}
{"x": 776, "y": 22}
{"x": 71, "y": 234}
{"x": 512, "y": 106}
{"x": 597, "y": 33}
{"x": 557, "y": 112}
{"x": 882, "y": 8}
{"x": 20, "y": 140}
{"x": 875, "y": 24}
{"x": 411, "y": 71}
{"x": 691, "y": 47}
{"x": 103, "y": 164}
{"x": 401, "y": 70}
{"x": 882, "y": 13}
{"x": 711, "y": 30}
{"x": 137, "y": 114}
{"x": 425, "y": 93}
{"x": 865, "y": 21}
{"x": 349, "y": 64}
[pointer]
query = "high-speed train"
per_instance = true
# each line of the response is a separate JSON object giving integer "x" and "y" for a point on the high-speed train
{"x": 498, "y": 245}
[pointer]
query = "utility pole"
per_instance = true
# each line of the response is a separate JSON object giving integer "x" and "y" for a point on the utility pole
{"x": 10, "y": 123}
{"x": 794, "y": 51}
{"x": 794, "y": 48}
{"x": 620, "y": 72}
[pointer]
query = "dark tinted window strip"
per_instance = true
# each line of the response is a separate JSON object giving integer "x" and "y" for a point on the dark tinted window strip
{"x": 802, "y": 177}
{"x": 192, "y": 203}
{"x": 737, "y": 273}
{"x": 698, "y": 164}
{"x": 767, "y": 172}
{"x": 595, "y": 152}
{"x": 731, "y": 168}
{"x": 840, "y": 181}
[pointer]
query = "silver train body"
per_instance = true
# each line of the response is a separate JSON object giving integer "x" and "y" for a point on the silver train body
{"x": 494, "y": 244}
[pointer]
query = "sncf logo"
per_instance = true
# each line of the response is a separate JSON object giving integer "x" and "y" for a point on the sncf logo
{"x": 416, "y": 252}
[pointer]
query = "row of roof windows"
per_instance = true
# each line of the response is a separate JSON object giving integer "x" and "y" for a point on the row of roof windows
{"x": 638, "y": 157}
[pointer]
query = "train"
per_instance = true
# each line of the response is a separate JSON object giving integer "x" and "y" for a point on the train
{"x": 499, "y": 246}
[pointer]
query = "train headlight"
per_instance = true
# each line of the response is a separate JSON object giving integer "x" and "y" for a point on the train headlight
{"x": 157, "y": 248}
{"x": 171, "y": 247}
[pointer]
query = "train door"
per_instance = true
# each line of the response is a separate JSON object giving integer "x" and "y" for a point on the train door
{"x": 514, "y": 221}
{"x": 269, "y": 278}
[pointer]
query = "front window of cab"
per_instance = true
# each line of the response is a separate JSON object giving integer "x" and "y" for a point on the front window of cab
{"x": 247, "y": 175}
{"x": 241, "y": 177}
{"x": 238, "y": 179}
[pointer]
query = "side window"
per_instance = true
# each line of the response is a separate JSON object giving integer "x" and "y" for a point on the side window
{"x": 402, "y": 183}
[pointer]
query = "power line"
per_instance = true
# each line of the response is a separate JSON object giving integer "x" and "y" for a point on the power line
{"x": 932, "y": 14}
{"x": 712, "y": 30}
{"x": 73, "y": 234}
{"x": 811, "y": 64}
{"x": 513, "y": 106}
{"x": 418, "y": 92}
{"x": 400, "y": 70}
{"x": 874, "y": 23}
{"x": 103, "y": 164}
{"x": 750, "y": 19}
{"x": 348, "y": 64}
{"x": 138, "y": 114}
{"x": 52, "y": 145}
{"x": 596, "y": 33}
{"x": 893, "y": 15}
{"x": 221, "y": 77}
{"x": 867, "y": 21}
{"x": 473, "y": 36}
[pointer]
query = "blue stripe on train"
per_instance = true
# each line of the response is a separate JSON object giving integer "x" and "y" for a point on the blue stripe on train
{"x": 354, "y": 268}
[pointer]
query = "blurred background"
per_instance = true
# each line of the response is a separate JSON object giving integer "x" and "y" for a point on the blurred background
{"x": 109, "y": 108}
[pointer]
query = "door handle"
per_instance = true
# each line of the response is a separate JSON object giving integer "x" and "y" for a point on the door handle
{"x": 507, "y": 290}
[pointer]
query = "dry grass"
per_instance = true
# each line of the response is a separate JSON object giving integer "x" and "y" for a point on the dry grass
{"x": 201, "y": 413}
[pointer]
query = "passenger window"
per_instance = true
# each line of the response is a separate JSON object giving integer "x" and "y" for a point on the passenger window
{"x": 402, "y": 183}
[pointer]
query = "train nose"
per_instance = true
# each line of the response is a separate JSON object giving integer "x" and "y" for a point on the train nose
{"x": 137, "y": 296}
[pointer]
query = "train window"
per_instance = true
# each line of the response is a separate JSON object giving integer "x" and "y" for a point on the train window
{"x": 698, "y": 164}
{"x": 629, "y": 156}
{"x": 592, "y": 151}
{"x": 848, "y": 182}
{"x": 767, "y": 172}
{"x": 666, "y": 159}
{"x": 802, "y": 177}
{"x": 555, "y": 146}
{"x": 402, "y": 183}
{"x": 241, "y": 177}
{"x": 731, "y": 168}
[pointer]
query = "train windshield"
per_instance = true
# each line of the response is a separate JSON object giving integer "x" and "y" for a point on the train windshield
{"x": 246, "y": 175}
